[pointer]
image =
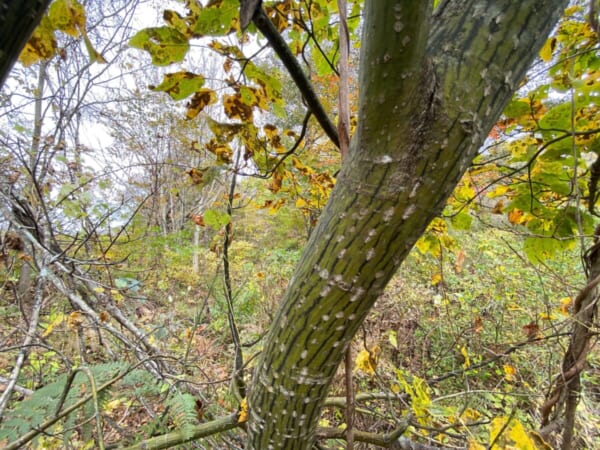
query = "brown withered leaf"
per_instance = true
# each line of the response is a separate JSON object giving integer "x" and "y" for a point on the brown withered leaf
{"x": 227, "y": 65}
{"x": 198, "y": 219}
{"x": 477, "y": 324}
{"x": 498, "y": 207}
{"x": 195, "y": 174}
{"x": 460, "y": 260}
{"x": 223, "y": 152}
{"x": 235, "y": 108}
{"x": 199, "y": 101}
{"x": 531, "y": 330}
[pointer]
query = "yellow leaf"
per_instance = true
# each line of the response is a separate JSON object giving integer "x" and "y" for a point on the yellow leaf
{"x": 324, "y": 423}
{"x": 565, "y": 303}
{"x": 57, "y": 321}
{"x": 41, "y": 45}
{"x": 274, "y": 207}
{"x": 438, "y": 226}
{"x": 67, "y": 16}
{"x": 470, "y": 415}
{"x": 301, "y": 203}
{"x": 546, "y": 316}
{"x": 498, "y": 191}
{"x": 467, "y": 360}
{"x": 95, "y": 55}
{"x": 496, "y": 427}
{"x": 418, "y": 391}
{"x": 109, "y": 407}
{"x": 436, "y": 278}
{"x": 74, "y": 320}
{"x": 304, "y": 170}
{"x": 99, "y": 289}
{"x": 243, "y": 411}
{"x": 509, "y": 372}
{"x": 547, "y": 49}
{"x": 366, "y": 361}
{"x": 423, "y": 245}
{"x": 474, "y": 445}
{"x": 520, "y": 437}
{"x": 513, "y": 435}
{"x": 236, "y": 108}
{"x": 116, "y": 295}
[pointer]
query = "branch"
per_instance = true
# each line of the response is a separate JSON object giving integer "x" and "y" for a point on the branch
{"x": 46, "y": 261}
{"x": 33, "y": 323}
{"x": 188, "y": 434}
{"x": 393, "y": 440}
{"x": 349, "y": 399}
{"x": 237, "y": 380}
{"x": 20, "y": 389}
{"x": 340, "y": 402}
{"x": 343, "y": 103}
{"x": 266, "y": 27}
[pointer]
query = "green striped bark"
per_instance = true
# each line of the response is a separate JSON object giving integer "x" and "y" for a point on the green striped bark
{"x": 431, "y": 87}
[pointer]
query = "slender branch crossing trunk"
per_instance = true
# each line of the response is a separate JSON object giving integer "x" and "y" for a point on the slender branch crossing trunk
{"x": 431, "y": 88}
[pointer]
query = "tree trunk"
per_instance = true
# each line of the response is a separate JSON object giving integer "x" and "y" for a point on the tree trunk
{"x": 18, "y": 19}
{"x": 567, "y": 391}
{"x": 430, "y": 90}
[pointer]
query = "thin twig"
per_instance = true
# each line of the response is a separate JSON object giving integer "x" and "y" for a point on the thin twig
{"x": 33, "y": 323}
{"x": 238, "y": 370}
{"x": 349, "y": 400}
{"x": 343, "y": 103}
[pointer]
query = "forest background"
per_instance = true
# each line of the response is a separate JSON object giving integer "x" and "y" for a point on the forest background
{"x": 152, "y": 217}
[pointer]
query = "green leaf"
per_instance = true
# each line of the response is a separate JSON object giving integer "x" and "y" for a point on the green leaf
{"x": 517, "y": 108}
{"x": 462, "y": 221}
{"x": 218, "y": 18}
{"x": 224, "y": 132}
{"x": 67, "y": 16}
{"x": 174, "y": 20}
{"x": 540, "y": 249}
{"x": 166, "y": 45}
{"x": 180, "y": 85}
{"x": 271, "y": 85}
{"x": 95, "y": 55}
{"x": 127, "y": 283}
{"x": 216, "y": 219}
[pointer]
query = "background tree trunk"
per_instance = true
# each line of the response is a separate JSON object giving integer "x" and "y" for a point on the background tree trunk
{"x": 431, "y": 89}
{"x": 18, "y": 19}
